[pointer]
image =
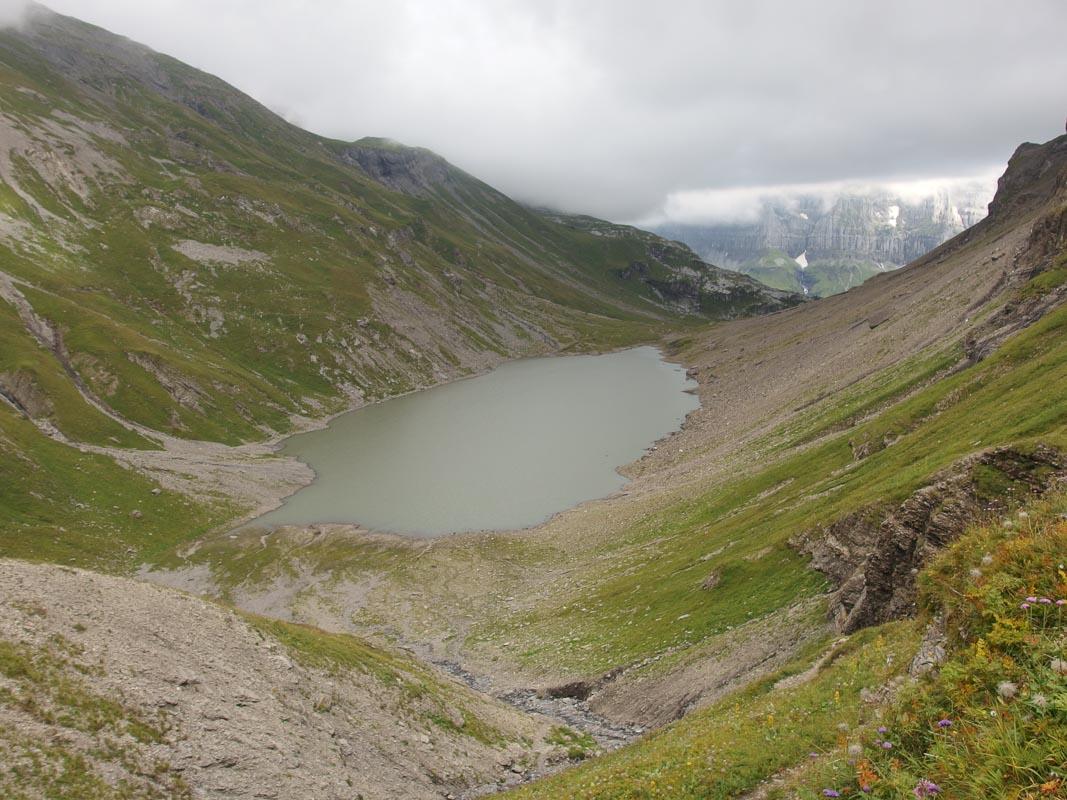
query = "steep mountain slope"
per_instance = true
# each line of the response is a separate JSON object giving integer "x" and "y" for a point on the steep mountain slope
{"x": 197, "y": 221}
{"x": 821, "y": 247}
{"x": 179, "y": 263}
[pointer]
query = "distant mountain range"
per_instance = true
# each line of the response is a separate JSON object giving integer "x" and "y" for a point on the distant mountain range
{"x": 821, "y": 245}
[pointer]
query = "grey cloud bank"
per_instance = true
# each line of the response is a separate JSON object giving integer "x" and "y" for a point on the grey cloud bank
{"x": 634, "y": 110}
{"x": 11, "y": 12}
{"x": 744, "y": 204}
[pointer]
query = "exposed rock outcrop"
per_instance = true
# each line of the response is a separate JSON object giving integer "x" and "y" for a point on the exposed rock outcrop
{"x": 21, "y": 390}
{"x": 1034, "y": 174}
{"x": 1045, "y": 250}
{"x": 872, "y": 556}
{"x": 409, "y": 170}
{"x": 931, "y": 652}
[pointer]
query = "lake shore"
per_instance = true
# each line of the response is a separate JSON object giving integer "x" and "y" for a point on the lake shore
{"x": 255, "y": 477}
{"x": 502, "y": 451}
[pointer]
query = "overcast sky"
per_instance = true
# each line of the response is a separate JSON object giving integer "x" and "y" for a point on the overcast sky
{"x": 625, "y": 109}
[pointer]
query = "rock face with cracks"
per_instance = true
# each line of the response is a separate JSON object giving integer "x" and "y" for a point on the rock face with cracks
{"x": 872, "y": 557}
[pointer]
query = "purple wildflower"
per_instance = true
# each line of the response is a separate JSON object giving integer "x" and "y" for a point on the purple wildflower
{"x": 1031, "y": 599}
{"x": 1061, "y": 602}
{"x": 1045, "y": 601}
{"x": 831, "y": 793}
{"x": 1024, "y": 606}
{"x": 926, "y": 788}
{"x": 944, "y": 723}
{"x": 887, "y": 745}
{"x": 883, "y": 729}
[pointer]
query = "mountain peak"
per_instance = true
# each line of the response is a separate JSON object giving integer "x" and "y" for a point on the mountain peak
{"x": 1035, "y": 173}
{"x": 413, "y": 171}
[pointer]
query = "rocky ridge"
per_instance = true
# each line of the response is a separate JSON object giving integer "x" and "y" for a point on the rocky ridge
{"x": 677, "y": 276}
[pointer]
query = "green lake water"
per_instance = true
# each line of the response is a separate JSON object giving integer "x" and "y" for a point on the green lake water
{"x": 500, "y": 451}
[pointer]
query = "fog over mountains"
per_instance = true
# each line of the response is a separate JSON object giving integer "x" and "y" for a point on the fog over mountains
{"x": 609, "y": 107}
{"x": 822, "y": 243}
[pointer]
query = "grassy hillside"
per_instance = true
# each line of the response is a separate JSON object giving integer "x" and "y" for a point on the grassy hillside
{"x": 859, "y": 721}
{"x": 211, "y": 269}
{"x": 821, "y": 277}
{"x": 63, "y": 506}
{"x": 179, "y": 263}
{"x": 184, "y": 276}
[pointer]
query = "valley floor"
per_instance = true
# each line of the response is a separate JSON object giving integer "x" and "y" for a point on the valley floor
{"x": 754, "y": 588}
{"x": 684, "y": 587}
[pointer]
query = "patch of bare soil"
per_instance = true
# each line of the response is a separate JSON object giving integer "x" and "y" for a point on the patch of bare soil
{"x": 242, "y": 716}
{"x": 230, "y": 256}
{"x": 712, "y": 669}
{"x": 251, "y": 477}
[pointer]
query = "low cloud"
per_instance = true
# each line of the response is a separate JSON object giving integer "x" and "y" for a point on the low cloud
{"x": 13, "y": 12}
{"x": 744, "y": 204}
{"x": 610, "y": 108}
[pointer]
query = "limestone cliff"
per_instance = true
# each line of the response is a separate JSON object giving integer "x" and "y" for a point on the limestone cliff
{"x": 823, "y": 246}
